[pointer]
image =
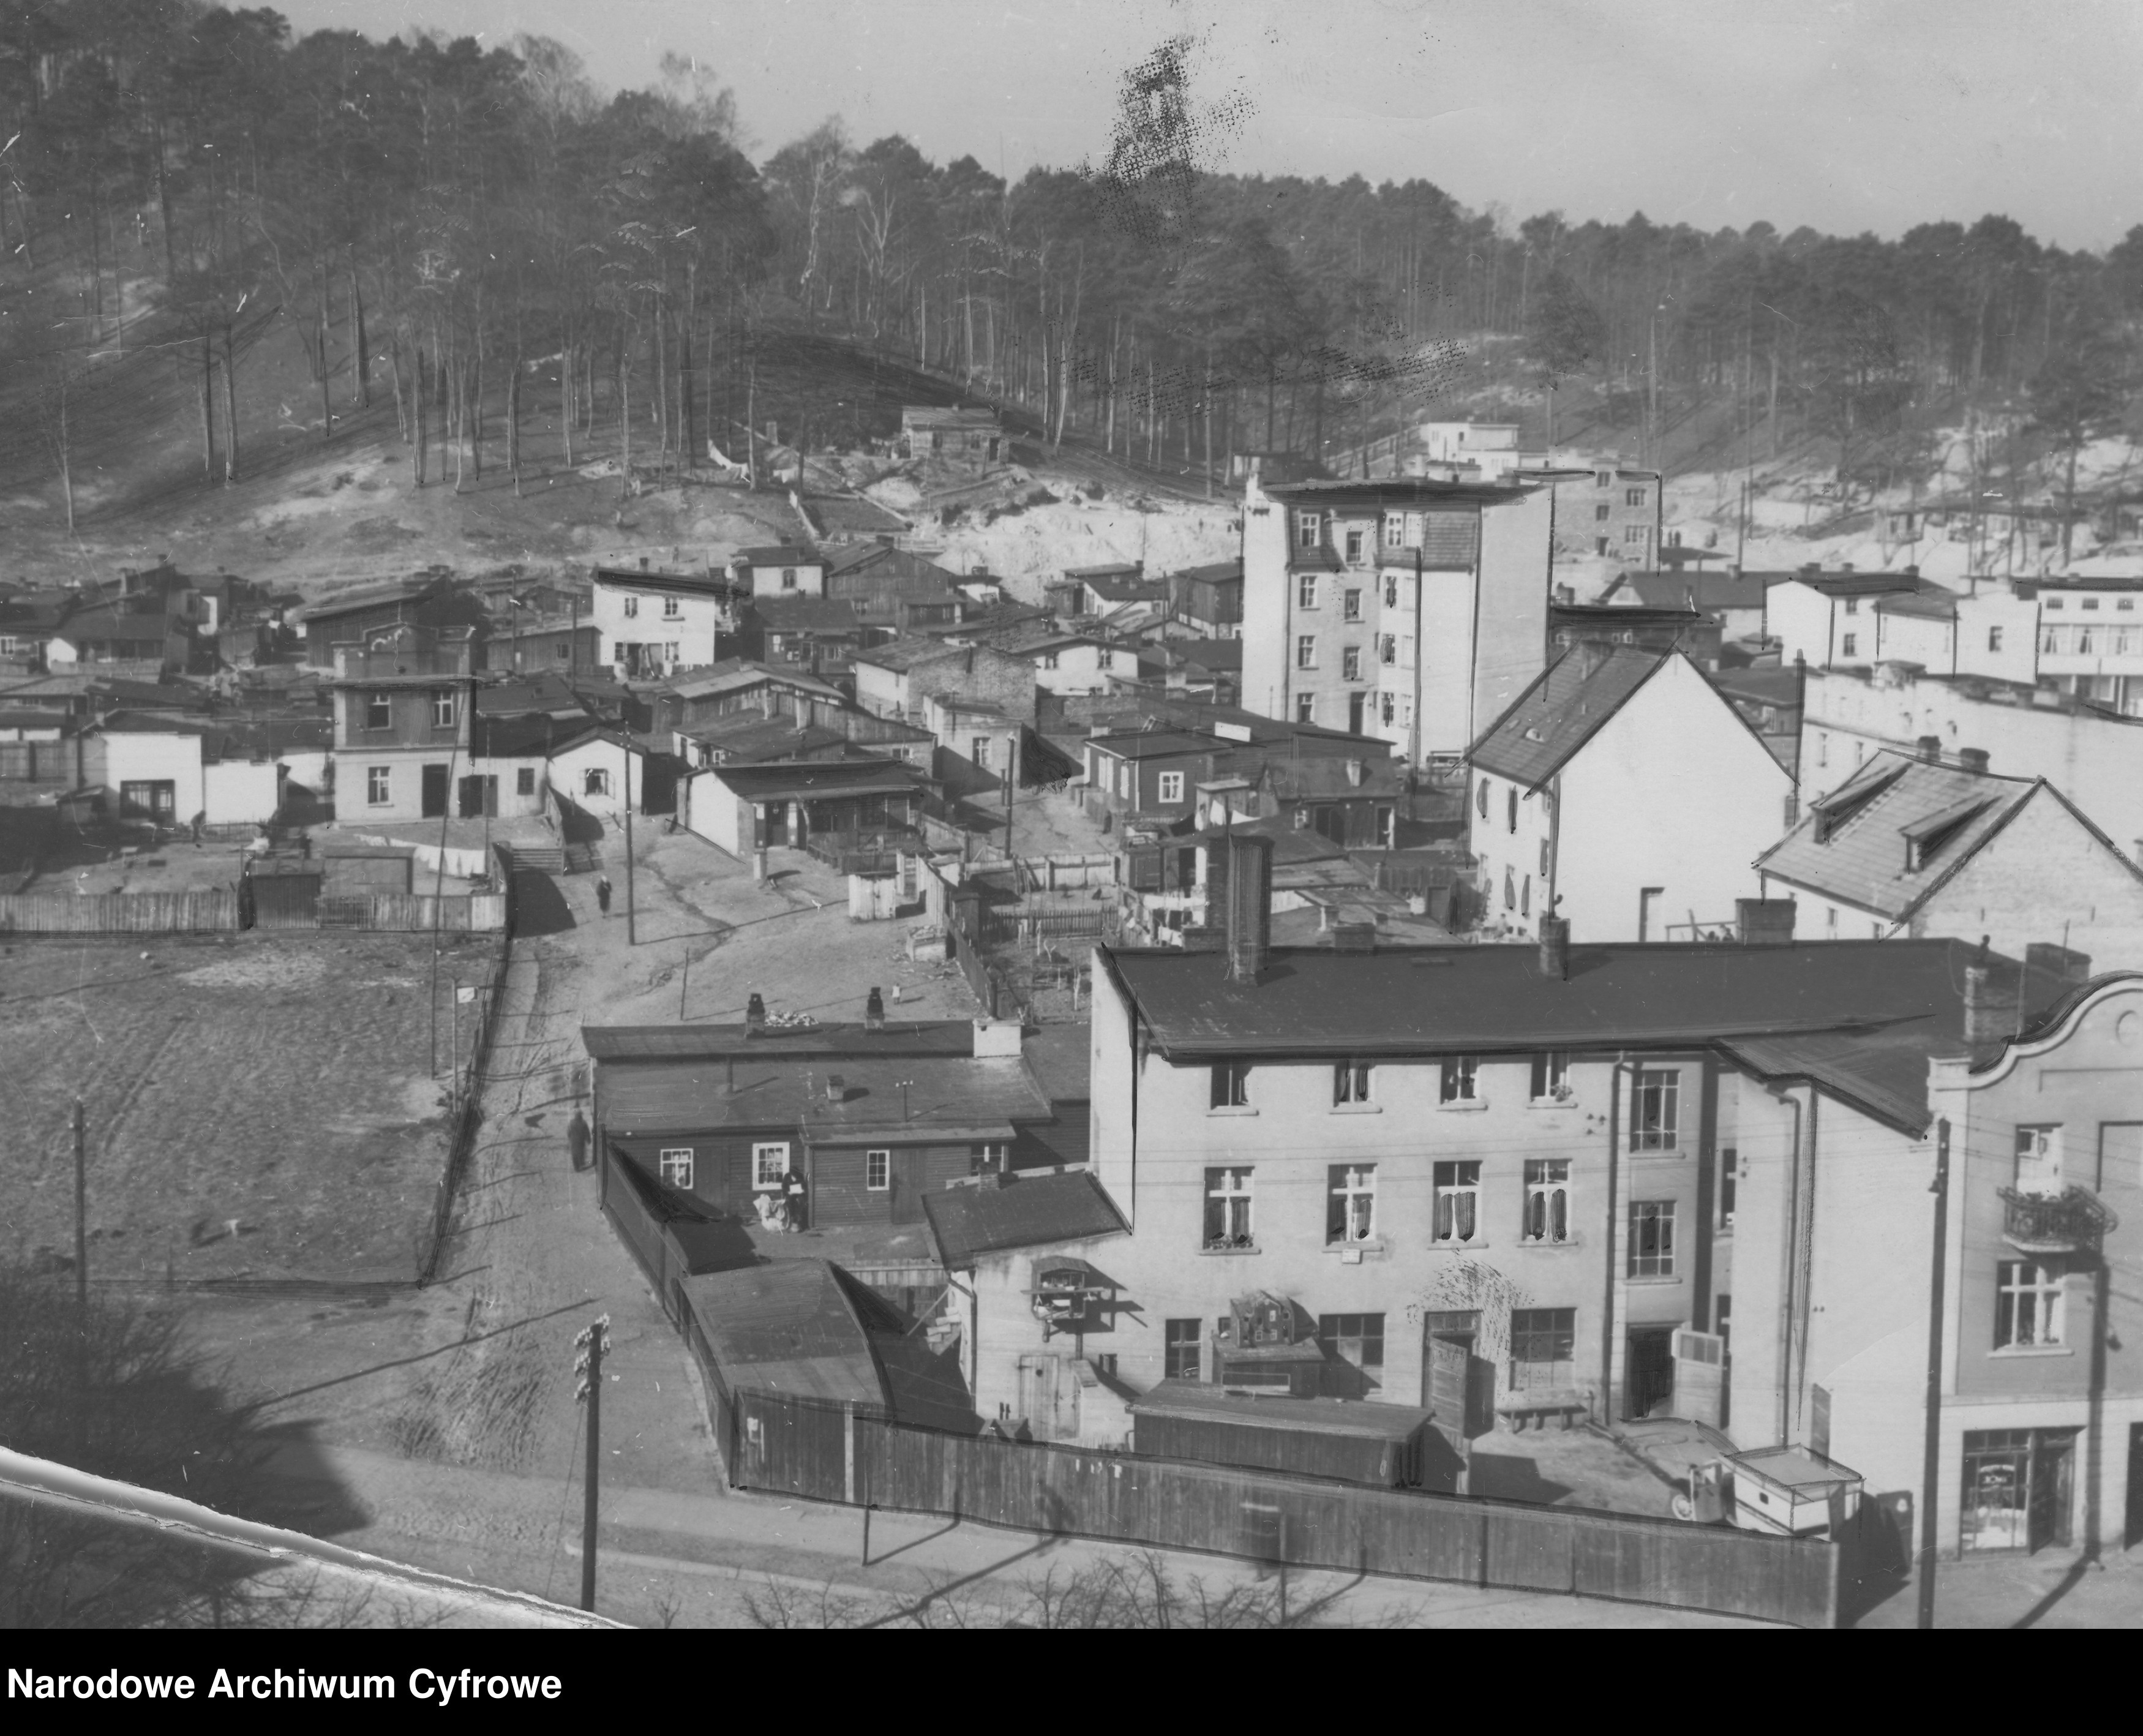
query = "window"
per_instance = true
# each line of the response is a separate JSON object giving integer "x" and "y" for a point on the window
{"x": 1510, "y": 890}
{"x": 595, "y": 781}
{"x": 1461, "y": 1073}
{"x": 442, "y": 708}
{"x": 788, "y": 578}
{"x": 769, "y": 1164}
{"x": 1635, "y": 534}
{"x": 677, "y": 1166}
{"x": 2027, "y": 1304}
{"x": 1551, "y": 1075}
{"x": 1852, "y": 606}
{"x": 1603, "y": 479}
{"x": 1305, "y": 708}
{"x": 1526, "y": 896}
{"x": 1350, "y": 663}
{"x": 1388, "y": 706}
{"x": 877, "y": 1170}
{"x": 1602, "y": 513}
{"x": 2054, "y": 602}
{"x": 1654, "y": 1109}
{"x": 1305, "y": 591}
{"x": 1394, "y": 533}
{"x": 631, "y": 607}
{"x": 561, "y": 651}
{"x": 1306, "y": 535}
{"x": 1481, "y": 799}
{"x": 671, "y": 647}
{"x": 1729, "y": 1166}
{"x": 1512, "y": 806}
{"x": 1651, "y": 1238}
{"x": 1548, "y": 1200}
{"x": 2039, "y": 1159}
{"x": 1849, "y": 644}
{"x": 1232, "y": 1085}
{"x": 1350, "y": 1082}
{"x": 379, "y": 711}
{"x": 1633, "y": 497}
{"x": 1049, "y": 659}
{"x": 1391, "y": 590}
{"x": 524, "y": 781}
{"x": 1179, "y": 1346}
{"x": 1994, "y": 639}
{"x": 2091, "y": 603}
{"x": 1171, "y": 786}
{"x": 1543, "y": 859}
{"x": 1305, "y": 651}
{"x": 1357, "y": 1340}
{"x": 1227, "y": 1208}
{"x": 1543, "y": 1348}
{"x": 978, "y": 750}
{"x": 1353, "y": 545}
{"x": 1388, "y": 648}
{"x": 1458, "y": 1201}
{"x": 375, "y": 785}
{"x": 672, "y": 607}
{"x": 1350, "y": 1202}
{"x": 1350, "y": 605}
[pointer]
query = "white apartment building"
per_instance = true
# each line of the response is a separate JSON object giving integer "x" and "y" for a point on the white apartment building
{"x": 653, "y": 624}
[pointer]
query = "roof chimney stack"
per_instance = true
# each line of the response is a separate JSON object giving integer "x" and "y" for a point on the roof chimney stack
{"x": 1992, "y": 995}
{"x": 1929, "y": 748}
{"x": 1555, "y": 948}
{"x": 875, "y": 1012}
{"x": 1763, "y": 922}
{"x": 1249, "y": 895}
{"x": 1973, "y": 759}
{"x": 755, "y": 1014}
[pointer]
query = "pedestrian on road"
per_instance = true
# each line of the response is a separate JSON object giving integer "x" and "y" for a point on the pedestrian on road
{"x": 602, "y": 893}
{"x": 792, "y": 1186}
{"x": 576, "y": 1139}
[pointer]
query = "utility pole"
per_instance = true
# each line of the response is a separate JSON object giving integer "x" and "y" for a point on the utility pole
{"x": 1931, "y": 1460}
{"x": 594, "y": 1345}
{"x": 630, "y": 927}
{"x": 80, "y": 1213}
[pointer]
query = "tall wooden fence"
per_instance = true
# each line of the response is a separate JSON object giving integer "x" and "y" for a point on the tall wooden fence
{"x": 213, "y": 912}
{"x": 464, "y": 1086}
{"x": 819, "y": 1450}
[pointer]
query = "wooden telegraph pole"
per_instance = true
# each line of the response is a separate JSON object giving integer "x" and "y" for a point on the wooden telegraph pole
{"x": 81, "y": 1214}
{"x": 1931, "y": 1463}
{"x": 631, "y": 929}
{"x": 594, "y": 1343}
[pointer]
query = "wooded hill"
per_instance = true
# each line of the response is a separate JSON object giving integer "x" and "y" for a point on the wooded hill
{"x": 452, "y": 229}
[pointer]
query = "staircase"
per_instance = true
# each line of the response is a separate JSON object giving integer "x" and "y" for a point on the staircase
{"x": 542, "y": 858}
{"x": 584, "y": 858}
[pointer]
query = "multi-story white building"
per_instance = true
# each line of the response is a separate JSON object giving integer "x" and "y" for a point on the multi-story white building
{"x": 652, "y": 624}
{"x": 1414, "y": 611}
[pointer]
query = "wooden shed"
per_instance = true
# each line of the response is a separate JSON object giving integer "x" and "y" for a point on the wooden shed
{"x": 1381, "y": 1445}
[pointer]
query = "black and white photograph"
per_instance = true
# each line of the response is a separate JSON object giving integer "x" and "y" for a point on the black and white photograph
{"x": 847, "y": 814}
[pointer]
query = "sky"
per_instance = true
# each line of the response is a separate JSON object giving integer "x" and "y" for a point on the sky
{"x": 1842, "y": 115}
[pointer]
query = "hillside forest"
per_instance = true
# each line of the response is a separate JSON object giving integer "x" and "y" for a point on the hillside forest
{"x": 455, "y": 228}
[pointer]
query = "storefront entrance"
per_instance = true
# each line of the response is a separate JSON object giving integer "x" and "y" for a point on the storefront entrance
{"x": 2019, "y": 1490}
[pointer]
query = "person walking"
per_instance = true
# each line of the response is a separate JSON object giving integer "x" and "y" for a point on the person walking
{"x": 792, "y": 1188}
{"x": 576, "y": 1140}
{"x": 602, "y": 893}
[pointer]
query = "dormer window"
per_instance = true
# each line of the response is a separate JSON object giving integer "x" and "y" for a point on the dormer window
{"x": 1924, "y": 838}
{"x": 1305, "y": 530}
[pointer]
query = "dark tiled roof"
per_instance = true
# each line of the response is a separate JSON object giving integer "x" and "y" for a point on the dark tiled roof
{"x": 1027, "y": 1212}
{"x": 1157, "y": 745}
{"x": 1214, "y": 572}
{"x": 781, "y": 554}
{"x": 817, "y": 780}
{"x": 1864, "y": 1015}
{"x": 1858, "y": 584}
{"x": 525, "y": 737}
{"x": 1676, "y": 590}
{"x": 1852, "y": 844}
{"x": 1416, "y": 492}
{"x": 950, "y": 1097}
{"x": 1560, "y": 711}
{"x": 713, "y": 1043}
{"x": 1209, "y": 653}
{"x": 787, "y": 1327}
{"x": 1929, "y": 605}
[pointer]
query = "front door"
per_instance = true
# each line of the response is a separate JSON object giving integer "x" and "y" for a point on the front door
{"x": 435, "y": 792}
{"x": 1649, "y": 1382}
{"x": 2053, "y": 1488}
{"x": 905, "y": 1176}
{"x": 472, "y": 798}
{"x": 2134, "y": 1532}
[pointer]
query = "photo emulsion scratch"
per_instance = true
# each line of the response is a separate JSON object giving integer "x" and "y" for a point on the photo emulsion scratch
{"x": 864, "y": 815}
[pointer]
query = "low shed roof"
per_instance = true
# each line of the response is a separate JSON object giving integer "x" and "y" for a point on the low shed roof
{"x": 788, "y": 1327}
{"x": 1021, "y": 1212}
{"x": 1194, "y": 1400}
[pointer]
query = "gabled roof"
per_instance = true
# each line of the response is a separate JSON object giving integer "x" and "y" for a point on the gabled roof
{"x": 1858, "y": 584}
{"x": 1561, "y": 710}
{"x": 788, "y": 1327}
{"x": 780, "y": 554}
{"x": 1209, "y": 653}
{"x": 1025, "y": 1212}
{"x": 735, "y": 675}
{"x": 1214, "y": 572}
{"x": 633, "y": 578}
{"x": 1707, "y": 591}
{"x": 902, "y": 654}
{"x": 956, "y": 1098}
{"x": 817, "y": 780}
{"x": 1853, "y": 845}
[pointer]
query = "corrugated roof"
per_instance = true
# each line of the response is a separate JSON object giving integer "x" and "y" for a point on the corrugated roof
{"x": 1025, "y": 1212}
{"x": 1560, "y": 711}
{"x": 1866, "y": 1015}
{"x": 1852, "y": 846}
{"x": 787, "y": 1327}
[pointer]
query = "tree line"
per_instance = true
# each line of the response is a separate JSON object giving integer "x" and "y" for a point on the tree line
{"x": 446, "y": 224}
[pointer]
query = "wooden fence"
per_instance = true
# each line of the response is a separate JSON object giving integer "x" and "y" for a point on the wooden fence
{"x": 464, "y": 1084}
{"x": 820, "y": 1450}
{"x": 213, "y": 912}
{"x": 417, "y": 912}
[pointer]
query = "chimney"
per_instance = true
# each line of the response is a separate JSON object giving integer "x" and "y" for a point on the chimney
{"x": 875, "y": 1012}
{"x": 1763, "y": 922}
{"x": 1973, "y": 759}
{"x": 1249, "y": 895}
{"x": 755, "y": 1014}
{"x": 1929, "y": 748}
{"x": 643, "y": 563}
{"x": 1992, "y": 996}
{"x": 1354, "y": 937}
{"x": 2057, "y": 961}
{"x": 1793, "y": 808}
{"x": 1555, "y": 948}
{"x": 1198, "y": 939}
{"x": 837, "y": 1089}
{"x": 997, "y": 1039}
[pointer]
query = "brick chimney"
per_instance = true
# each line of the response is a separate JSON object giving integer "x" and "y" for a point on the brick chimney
{"x": 1249, "y": 906}
{"x": 1555, "y": 948}
{"x": 1763, "y": 922}
{"x": 1929, "y": 748}
{"x": 1992, "y": 999}
{"x": 755, "y": 1014}
{"x": 1973, "y": 759}
{"x": 875, "y": 1012}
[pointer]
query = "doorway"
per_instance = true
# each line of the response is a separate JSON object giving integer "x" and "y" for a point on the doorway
{"x": 905, "y": 1178}
{"x": 2019, "y": 1489}
{"x": 435, "y": 792}
{"x": 1648, "y": 1381}
{"x": 2132, "y": 1531}
{"x": 479, "y": 798}
{"x": 1358, "y": 705}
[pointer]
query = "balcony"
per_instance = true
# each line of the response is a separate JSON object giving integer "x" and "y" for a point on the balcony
{"x": 2074, "y": 1221}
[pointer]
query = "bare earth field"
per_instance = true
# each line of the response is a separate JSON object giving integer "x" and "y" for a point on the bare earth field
{"x": 279, "y": 1083}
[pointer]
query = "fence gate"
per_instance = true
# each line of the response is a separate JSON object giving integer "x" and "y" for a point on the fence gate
{"x": 285, "y": 901}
